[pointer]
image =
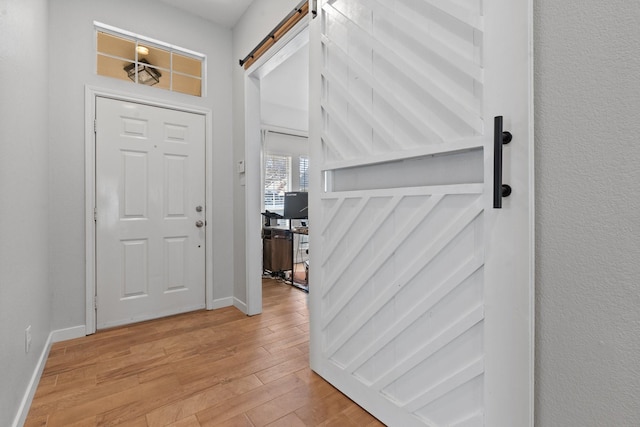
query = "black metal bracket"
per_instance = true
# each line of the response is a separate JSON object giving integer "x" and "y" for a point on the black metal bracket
{"x": 500, "y": 138}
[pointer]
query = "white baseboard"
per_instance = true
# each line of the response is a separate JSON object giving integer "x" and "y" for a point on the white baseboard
{"x": 240, "y": 305}
{"x": 221, "y": 303}
{"x": 54, "y": 336}
{"x": 25, "y": 404}
{"x": 68, "y": 333}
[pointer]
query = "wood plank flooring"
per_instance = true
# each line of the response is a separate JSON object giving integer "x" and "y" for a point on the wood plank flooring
{"x": 207, "y": 368}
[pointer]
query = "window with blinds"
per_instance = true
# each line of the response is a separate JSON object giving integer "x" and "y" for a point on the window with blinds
{"x": 304, "y": 175}
{"x": 277, "y": 172}
{"x": 285, "y": 168}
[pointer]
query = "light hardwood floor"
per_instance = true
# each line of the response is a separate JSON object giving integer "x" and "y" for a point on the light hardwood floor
{"x": 207, "y": 368}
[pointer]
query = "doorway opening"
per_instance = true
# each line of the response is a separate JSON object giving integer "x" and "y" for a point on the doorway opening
{"x": 276, "y": 103}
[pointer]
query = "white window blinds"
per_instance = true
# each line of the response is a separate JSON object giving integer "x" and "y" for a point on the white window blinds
{"x": 286, "y": 161}
{"x": 304, "y": 176}
{"x": 277, "y": 172}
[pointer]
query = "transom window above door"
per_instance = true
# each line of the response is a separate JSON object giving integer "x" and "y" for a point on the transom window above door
{"x": 131, "y": 57}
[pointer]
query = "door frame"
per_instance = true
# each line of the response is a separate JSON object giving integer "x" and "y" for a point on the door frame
{"x": 91, "y": 94}
{"x": 290, "y": 43}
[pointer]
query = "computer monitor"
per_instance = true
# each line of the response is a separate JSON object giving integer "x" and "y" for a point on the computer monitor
{"x": 296, "y": 205}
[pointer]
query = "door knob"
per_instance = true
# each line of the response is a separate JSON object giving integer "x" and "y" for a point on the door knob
{"x": 199, "y": 224}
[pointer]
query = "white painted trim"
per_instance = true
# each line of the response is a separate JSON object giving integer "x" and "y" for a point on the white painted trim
{"x": 284, "y": 48}
{"x": 91, "y": 93}
{"x": 240, "y": 305}
{"x": 120, "y": 32}
{"x": 286, "y": 131}
{"x": 253, "y": 168}
{"x": 222, "y": 303}
{"x": 317, "y": 182}
{"x": 54, "y": 337}
{"x": 68, "y": 333}
{"x": 25, "y": 404}
{"x": 442, "y": 149}
{"x": 532, "y": 219}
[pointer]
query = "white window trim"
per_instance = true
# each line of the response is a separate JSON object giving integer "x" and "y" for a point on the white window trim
{"x": 118, "y": 31}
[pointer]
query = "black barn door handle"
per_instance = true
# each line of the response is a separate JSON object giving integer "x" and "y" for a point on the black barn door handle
{"x": 500, "y": 138}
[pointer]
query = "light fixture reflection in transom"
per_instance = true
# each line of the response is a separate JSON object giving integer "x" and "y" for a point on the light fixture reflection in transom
{"x": 146, "y": 75}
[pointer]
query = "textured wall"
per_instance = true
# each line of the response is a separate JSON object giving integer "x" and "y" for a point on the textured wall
{"x": 587, "y": 95}
{"x": 24, "y": 283}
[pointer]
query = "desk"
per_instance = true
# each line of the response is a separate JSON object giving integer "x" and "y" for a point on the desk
{"x": 300, "y": 231}
{"x": 279, "y": 253}
{"x": 277, "y": 247}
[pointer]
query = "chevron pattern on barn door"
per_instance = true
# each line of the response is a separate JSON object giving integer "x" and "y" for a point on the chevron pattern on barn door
{"x": 392, "y": 84}
{"x": 395, "y": 316}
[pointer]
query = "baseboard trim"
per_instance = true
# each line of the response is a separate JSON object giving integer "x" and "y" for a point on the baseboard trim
{"x": 25, "y": 404}
{"x": 54, "y": 336}
{"x": 240, "y": 305}
{"x": 68, "y": 333}
{"x": 222, "y": 303}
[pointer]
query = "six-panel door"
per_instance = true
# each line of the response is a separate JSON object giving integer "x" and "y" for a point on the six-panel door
{"x": 150, "y": 195}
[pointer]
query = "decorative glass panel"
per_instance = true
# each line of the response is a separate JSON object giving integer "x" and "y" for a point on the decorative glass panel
{"x": 125, "y": 56}
{"x": 188, "y": 85}
{"x": 116, "y": 46}
{"x": 112, "y": 67}
{"x": 186, "y": 65}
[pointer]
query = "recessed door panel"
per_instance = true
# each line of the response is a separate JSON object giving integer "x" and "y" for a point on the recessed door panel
{"x": 176, "y": 190}
{"x": 135, "y": 184}
{"x": 175, "y": 252}
{"x": 135, "y": 127}
{"x": 135, "y": 265}
{"x": 176, "y": 133}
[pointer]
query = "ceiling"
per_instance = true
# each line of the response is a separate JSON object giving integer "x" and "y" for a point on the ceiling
{"x": 222, "y": 12}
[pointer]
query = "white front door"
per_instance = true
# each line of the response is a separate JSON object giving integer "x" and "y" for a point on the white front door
{"x": 421, "y": 291}
{"x": 150, "y": 212}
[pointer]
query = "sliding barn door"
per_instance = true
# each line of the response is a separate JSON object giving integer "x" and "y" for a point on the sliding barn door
{"x": 421, "y": 291}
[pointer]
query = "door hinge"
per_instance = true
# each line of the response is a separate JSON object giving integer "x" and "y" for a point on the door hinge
{"x": 95, "y": 126}
{"x": 95, "y": 214}
{"x": 95, "y": 302}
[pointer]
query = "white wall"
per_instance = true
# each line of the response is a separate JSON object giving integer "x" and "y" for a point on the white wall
{"x": 24, "y": 285}
{"x": 587, "y": 95}
{"x": 72, "y": 52}
{"x": 261, "y": 17}
{"x": 284, "y": 93}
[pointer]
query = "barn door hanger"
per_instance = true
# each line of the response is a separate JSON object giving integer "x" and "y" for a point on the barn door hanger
{"x": 500, "y": 138}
